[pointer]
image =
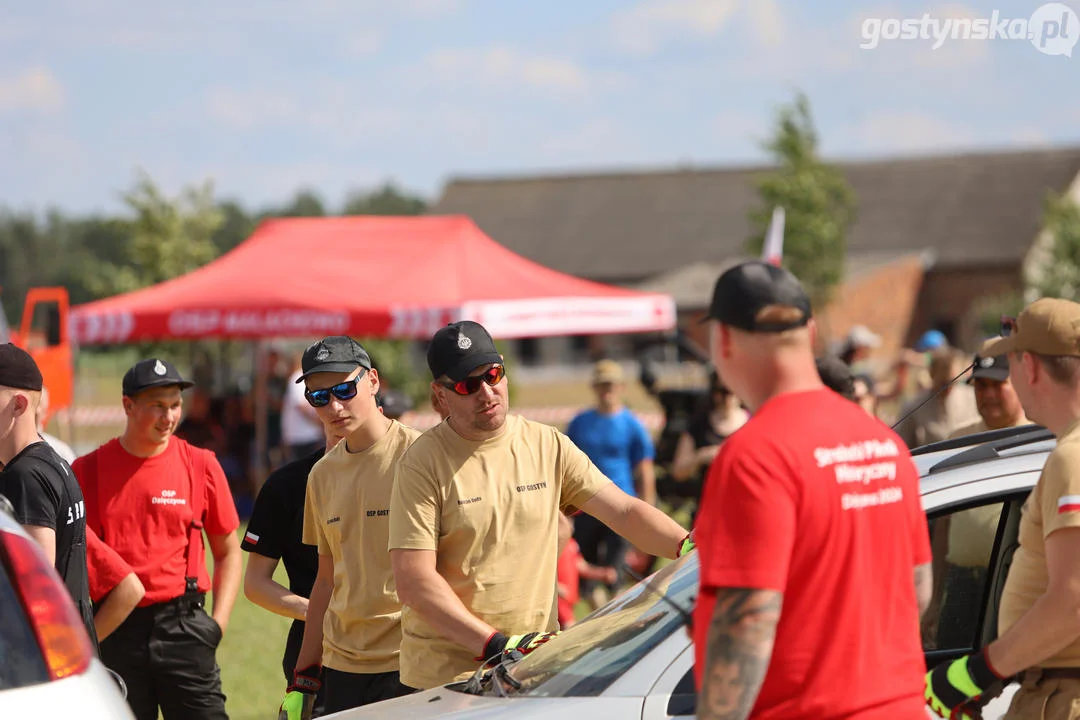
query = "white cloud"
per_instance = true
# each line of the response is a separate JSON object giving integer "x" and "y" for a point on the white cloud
{"x": 646, "y": 27}
{"x": 768, "y": 23}
{"x": 365, "y": 41}
{"x": 34, "y": 90}
{"x": 501, "y": 66}
{"x": 904, "y": 133}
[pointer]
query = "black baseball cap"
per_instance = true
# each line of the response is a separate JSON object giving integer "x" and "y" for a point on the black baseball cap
{"x": 991, "y": 368}
{"x": 337, "y": 353}
{"x": 151, "y": 373}
{"x": 459, "y": 348}
{"x": 18, "y": 369}
{"x": 743, "y": 291}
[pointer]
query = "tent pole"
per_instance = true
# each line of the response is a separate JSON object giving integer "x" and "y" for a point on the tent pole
{"x": 262, "y": 407}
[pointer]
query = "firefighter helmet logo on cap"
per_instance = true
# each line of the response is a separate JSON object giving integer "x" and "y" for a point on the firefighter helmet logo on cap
{"x": 986, "y": 362}
{"x": 464, "y": 341}
{"x": 159, "y": 368}
{"x": 323, "y": 353}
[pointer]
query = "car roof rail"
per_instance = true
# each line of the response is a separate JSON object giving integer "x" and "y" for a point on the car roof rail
{"x": 986, "y": 445}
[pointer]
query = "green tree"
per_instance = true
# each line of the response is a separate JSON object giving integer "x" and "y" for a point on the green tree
{"x": 169, "y": 237}
{"x": 236, "y": 226}
{"x": 304, "y": 204}
{"x": 818, "y": 203}
{"x": 387, "y": 200}
{"x": 1056, "y": 273}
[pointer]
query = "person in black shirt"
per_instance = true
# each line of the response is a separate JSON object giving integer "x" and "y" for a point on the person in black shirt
{"x": 274, "y": 533}
{"x": 43, "y": 492}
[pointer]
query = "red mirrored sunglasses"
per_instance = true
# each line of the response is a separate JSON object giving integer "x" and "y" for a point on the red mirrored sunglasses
{"x": 471, "y": 384}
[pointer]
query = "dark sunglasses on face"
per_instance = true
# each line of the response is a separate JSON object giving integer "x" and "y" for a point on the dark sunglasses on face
{"x": 342, "y": 391}
{"x": 471, "y": 384}
{"x": 1008, "y": 326}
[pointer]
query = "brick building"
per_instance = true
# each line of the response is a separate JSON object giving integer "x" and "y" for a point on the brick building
{"x": 933, "y": 237}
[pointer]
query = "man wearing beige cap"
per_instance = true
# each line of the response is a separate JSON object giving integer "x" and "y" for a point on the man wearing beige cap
{"x": 618, "y": 444}
{"x": 1038, "y": 621}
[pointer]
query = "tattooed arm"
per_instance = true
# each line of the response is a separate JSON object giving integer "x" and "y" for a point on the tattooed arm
{"x": 738, "y": 650}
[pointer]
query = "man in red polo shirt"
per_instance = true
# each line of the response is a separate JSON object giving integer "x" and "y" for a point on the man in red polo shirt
{"x": 150, "y": 496}
{"x": 813, "y": 546}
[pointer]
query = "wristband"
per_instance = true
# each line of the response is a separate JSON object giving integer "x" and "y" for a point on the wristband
{"x": 494, "y": 645}
{"x": 307, "y": 680}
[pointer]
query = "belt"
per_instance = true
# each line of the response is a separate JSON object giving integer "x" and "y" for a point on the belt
{"x": 181, "y": 604}
{"x": 1052, "y": 673}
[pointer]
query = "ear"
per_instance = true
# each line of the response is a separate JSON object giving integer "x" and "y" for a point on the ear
{"x": 374, "y": 381}
{"x": 129, "y": 406}
{"x": 726, "y": 349}
{"x": 21, "y": 404}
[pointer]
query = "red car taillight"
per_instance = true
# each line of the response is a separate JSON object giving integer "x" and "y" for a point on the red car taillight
{"x": 65, "y": 646}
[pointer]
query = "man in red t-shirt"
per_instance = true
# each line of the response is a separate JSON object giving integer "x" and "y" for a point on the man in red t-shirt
{"x": 813, "y": 548}
{"x": 150, "y": 496}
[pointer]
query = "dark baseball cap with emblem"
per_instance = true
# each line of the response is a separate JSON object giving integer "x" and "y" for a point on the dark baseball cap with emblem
{"x": 152, "y": 373}
{"x": 334, "y": 354}
{"x": 18, "y": 369}
{"x": 743, "y": 293}
{"x": 459, "y": 348}
{"x": 991, "y": 368}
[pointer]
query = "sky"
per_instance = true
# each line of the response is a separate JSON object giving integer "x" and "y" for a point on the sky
{"x": 265, "y": 98}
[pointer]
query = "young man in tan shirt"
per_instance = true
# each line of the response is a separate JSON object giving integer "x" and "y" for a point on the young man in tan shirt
{"x": 474, "y": 518}
{"x": 353, "y": 629}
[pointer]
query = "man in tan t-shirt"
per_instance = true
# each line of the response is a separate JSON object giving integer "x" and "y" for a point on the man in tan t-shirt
{"x": 474, "y": 518}
{"x": 353, "y": 630}
{"x": 1038, "y": 622}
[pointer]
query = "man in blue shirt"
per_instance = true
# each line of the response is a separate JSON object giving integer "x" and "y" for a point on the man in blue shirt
{"x": 618, "y": 444}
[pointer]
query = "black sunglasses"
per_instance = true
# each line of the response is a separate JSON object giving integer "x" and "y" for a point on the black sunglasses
{"x": 1008, "y": 326}
{"x": 471, "y": 384}
{"x": 342, "y": 391}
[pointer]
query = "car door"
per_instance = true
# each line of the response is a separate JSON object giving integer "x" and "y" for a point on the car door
{"x": 972, "y": 542}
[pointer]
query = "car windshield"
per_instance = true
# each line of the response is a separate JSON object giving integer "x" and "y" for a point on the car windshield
{"x": 587, "y": 657}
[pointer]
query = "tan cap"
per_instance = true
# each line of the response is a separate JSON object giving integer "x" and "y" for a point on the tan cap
{"x": 1049, "y": 326}
{"x": 607, "y": 371}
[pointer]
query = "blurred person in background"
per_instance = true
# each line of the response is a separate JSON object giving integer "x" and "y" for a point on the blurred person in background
{"x": 620, "y": 446}
{"x": 944, "y": 408}
{"x": 857, "y": 347}
{"x": 395, "y": 404}
{"x": 865, "y": 393}
{"x": 836, "y": 375}
{"x": 201, "y": 426}
{"x": 571, "y": 569}
{"x": 719, "y": 415}
{"x": 995, "y": 397}
{"x": 910, "y": 372}
{"x": 62, "y": 448}
{"x": 301, "y": 429}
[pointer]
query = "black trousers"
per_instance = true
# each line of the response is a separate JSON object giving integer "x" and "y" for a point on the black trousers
{"x": 349, "y": 690}
{"x": 166, "y": 655}
{"x": 600, "y": 545}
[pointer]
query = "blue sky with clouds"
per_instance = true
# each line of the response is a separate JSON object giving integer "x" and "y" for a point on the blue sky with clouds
{"x": 270, "y": 96}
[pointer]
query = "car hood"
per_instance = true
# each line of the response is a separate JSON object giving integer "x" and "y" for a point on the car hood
{"x": 442, "y": 703}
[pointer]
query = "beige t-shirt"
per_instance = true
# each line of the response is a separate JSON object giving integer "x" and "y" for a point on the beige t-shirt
{"x": 490, "y": 511}
{"x": 940, "y": 417}
{"x": 346, "y": 515}
{"x": 1054, "y": 503}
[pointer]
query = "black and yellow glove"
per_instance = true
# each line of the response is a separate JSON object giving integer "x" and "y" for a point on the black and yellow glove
{"x": 299, "y": 699}
{"x": 498, "y": 643}
{"x": 685, "y": 545}
{"x": 954, "y": 688}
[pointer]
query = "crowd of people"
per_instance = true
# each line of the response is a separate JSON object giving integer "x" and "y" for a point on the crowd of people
{"x": 415, "y": 558}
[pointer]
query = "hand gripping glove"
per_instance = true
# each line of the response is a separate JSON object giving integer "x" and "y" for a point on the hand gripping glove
{"x": 954, "y": 685}
{"x": 685, "y": 546}
{"x": 498, "y": 643}
{"x": 300, "y": 696}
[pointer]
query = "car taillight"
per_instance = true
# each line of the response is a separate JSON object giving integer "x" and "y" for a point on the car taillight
{"x": 65, "y": 646}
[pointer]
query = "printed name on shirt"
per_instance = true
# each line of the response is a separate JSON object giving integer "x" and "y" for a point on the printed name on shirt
{"x": 531, "y": 488}
{"x": 469, "y": 501}
{"x": 251, "y": 537}
{"x": 378, "y": 513}
{"x": 333, "y": 520}
{"x": 1068, "y": 504}
{"x": 168, "y": 497}
{"x": 853, "y": 463}
{"x": 76, "y": 512}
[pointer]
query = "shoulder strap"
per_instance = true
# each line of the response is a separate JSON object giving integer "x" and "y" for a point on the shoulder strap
{"x": 196, "y": 464}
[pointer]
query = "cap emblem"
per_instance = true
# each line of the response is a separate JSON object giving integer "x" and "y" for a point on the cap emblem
{"x": 159, "y": 368}
{"x": 986, "y": 362}
{"x": 464, "y": 341}
{"x": 323, "y": 353}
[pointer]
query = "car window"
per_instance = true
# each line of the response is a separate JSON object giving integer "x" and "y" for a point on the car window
{"x": 963, "y": 543}
{"x": 21, "y": 663}
{"x": 587, "y": 657}
{"x": 683, "y": 700}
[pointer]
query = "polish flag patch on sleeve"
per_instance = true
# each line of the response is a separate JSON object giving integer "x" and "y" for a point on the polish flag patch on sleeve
{"x": 1068, "y": 504}
{"x": 254, "y": 539}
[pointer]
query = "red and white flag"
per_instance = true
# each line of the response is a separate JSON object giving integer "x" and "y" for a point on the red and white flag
{"x": 251, "y": 537}
{"x": 1068, "y": 503}
{"x": 773, "y": 250}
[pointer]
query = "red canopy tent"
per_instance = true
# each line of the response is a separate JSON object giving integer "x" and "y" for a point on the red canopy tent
{"x": 399, "y": 277}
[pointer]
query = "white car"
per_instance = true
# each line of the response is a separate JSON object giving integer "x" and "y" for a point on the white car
{"x": 633, "y": 658}
{"x": 47, "y": 665}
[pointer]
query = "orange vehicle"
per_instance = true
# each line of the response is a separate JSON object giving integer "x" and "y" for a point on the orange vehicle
{"x": 43, "y": 333}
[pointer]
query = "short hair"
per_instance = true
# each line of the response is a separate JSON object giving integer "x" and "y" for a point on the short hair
{"x": 1062, "y": 369}
{"x": 836, "y": 376}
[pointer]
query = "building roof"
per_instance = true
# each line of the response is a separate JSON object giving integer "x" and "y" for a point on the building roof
{"x": 970, "y": 210}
